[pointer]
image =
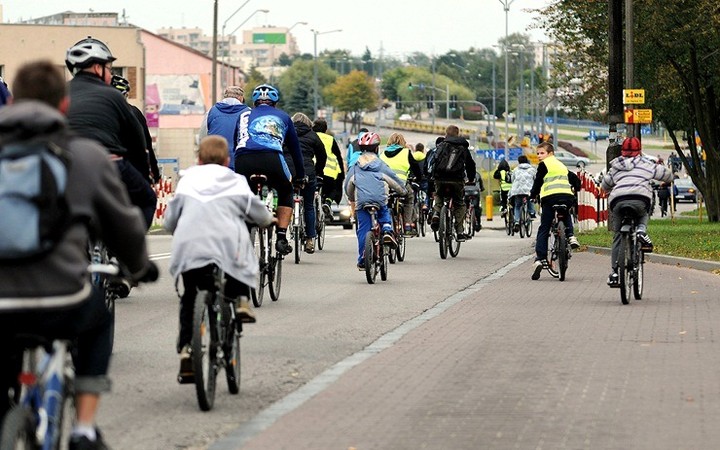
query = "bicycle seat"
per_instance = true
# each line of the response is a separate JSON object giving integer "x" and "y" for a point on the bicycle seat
{"x": 560, "y": 208}
{"x": 471, "y": 191}
{"x": 628, "y": 212}
{"x": 371, "y": 207}
{"x": 258, "y": 178}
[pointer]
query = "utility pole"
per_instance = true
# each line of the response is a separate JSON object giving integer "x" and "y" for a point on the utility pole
{"x": 615, "y": 77}
{"x": 634, "y": 129}
{"x": 214, "y": 53}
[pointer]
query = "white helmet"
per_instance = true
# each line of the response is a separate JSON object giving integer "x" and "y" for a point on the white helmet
{"x": 87, "y": 52}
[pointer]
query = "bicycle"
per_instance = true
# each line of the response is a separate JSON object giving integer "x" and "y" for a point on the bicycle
{"x": 422, "y": 213}
{"x": 39, "y": 419}
{"x": 319, "y": 216}
{"x": 215, "y": 343}
{"x": 447, "y": 234}
{"x": 376, "y": 254}
{"x": 270, "y": 261}
{"x": 558, "y": 249}
{"x": 396, "y": 212}
{"x": 525, "y": 222}
{"x": 100, "y": 257}
{"x": 471, "y": 193}
{"x": 631, "y": 257}
{"x": 298, "y": 223}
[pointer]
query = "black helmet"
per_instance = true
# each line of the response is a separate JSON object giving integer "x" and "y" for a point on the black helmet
{"x": 121, "y": 84}
{"x": 87, "y": 52}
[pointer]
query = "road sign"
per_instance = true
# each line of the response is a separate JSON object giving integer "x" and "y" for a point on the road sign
{"x": 633, "y": 96}
{"x": 499, "y": 153}
{"x": 642, "y": 115}
{"x": 645, "y": 130}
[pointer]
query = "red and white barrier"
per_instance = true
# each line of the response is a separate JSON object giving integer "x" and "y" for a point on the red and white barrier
{"x": 592, "y": 203}
{"x": 164, "y": 191}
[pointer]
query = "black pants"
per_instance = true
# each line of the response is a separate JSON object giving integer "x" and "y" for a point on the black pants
{"x": 202, "y": 279}
{"x": 139, "y": 189}
{"x": 272, "y": 165}
{"x": 87, "y": 325}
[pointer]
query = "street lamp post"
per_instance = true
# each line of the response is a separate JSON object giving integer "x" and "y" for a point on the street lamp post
{"x": 315, "y": 68}
{"x": 214, "y": 54}
{"x": 506, "y": 6}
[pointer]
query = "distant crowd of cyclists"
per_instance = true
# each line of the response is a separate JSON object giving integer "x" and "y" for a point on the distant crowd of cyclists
{"x": 111, "y": 166}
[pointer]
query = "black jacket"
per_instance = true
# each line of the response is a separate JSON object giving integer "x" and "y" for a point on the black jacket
{"x": 100, "y": 112}
{"x": 469, "y": 161}
{"x": 311, "y": 147}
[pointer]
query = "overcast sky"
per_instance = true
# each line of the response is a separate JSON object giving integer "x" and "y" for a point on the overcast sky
{"x": 399, "y": 26}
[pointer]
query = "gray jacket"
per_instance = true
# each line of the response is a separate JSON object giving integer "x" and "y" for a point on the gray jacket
{"x": 523, "y": 177}
{"x": 629, "y": 178}
{"x": 368, "y": 181}
{"x": 97, "y": 199}
{"x": 207, "y": 218}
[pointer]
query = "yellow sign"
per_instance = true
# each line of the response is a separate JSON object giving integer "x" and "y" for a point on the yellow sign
{"x": 633, "y": 96}
{"x": 642, "y": 115}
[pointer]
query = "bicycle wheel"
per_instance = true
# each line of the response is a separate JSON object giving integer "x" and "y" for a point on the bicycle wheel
{"x": 275, "y": 276}
{"x": 552, "y": 256}
{"x": 452, "y": 242}
{"x": 527, "y": 224}
{"x": 231, "y": 349}
{"x": 18, "y": 429}
{"x": 401, "y": 247}
{"x": 625, "y": 268}
{"x": 320, "y": 228}
{"x": 422, "y": 221}
{"x": 384, "y": 260}
{"x": 442, "y": 234}
{"x": 639, "y": 262}
{"x": 469, "y": 222}
{"x": 392, "y": 256}
{"x": 508, "y": 223}
{"x": 562, "y": 251}
{"x": 204, "y": 353}
{"x": 522, "y": 220}
{"x": 257, "y": 294}
{"x": 297, "y": 239}
{"x": 110, "y": 304}
{"x": 370, "y": 257}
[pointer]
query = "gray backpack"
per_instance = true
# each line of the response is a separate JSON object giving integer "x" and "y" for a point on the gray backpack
{"x": 35, "y": 213}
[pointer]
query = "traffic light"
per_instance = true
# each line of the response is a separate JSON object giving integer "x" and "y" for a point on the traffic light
{"x": 398, "y": 102}
{"x": 430, "y": 101}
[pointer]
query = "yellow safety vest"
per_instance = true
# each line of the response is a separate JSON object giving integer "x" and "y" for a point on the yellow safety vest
{"x": 398, "y": 163}
{"x": 556, "y": 180}
{"x": 419, "y": 156}
{"x": 332, "y": 167}
{"x": 504, "y": 185}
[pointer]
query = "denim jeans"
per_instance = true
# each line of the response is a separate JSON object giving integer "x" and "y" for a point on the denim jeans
{"x": 546, "y": 217}
{"x": 364, "y": 225}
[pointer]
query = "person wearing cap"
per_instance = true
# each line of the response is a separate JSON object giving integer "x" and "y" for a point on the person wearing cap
{"x": 223, "y": 119}
{"x": 628, "y": 182}
{"x": 5, "y": 94}
{"x": 123, "y": 85}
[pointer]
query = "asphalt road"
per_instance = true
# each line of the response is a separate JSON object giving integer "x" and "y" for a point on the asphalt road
{"x": 326, "y": 312}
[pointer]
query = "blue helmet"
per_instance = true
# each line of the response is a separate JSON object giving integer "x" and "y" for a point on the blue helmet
{"x": 265, "y": 92}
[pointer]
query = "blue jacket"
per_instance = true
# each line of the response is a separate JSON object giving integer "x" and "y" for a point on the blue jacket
{"x": 366, "y": 181}
{"x": 266, "y": 129}
{"x": 223, "y": 120}
{"x": 353, "y": 150}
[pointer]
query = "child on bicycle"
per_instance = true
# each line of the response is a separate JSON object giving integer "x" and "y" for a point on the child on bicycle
{"x": 366, "y": 184}
{"x": 555, "y": 185}
{"x": 523, "y": 177}
{"x": 628, "y": 182}
{"x": 208, "y": 218}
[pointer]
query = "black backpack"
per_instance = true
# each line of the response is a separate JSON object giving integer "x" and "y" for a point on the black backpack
{"x": 35, "y": 213}
{"x": 449, "y": 161}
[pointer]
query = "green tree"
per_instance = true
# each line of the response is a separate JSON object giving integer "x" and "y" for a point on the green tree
{"x": 676, "y": 61}
{"x": 254, "y": 79}
{"x": 296, "y": 85}
{"x": 284, "y": 60}
{"x": 352, "y": 94}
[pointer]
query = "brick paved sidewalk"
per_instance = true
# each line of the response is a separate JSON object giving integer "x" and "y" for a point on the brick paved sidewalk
{"x": 532, "y": 365}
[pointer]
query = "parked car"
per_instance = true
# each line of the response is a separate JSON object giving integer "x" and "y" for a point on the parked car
{"x": 405, "y": 117}
{"x": 571, "y": 160}
{"x": 341, "y": 214}
{"x": 599, "y": 136}
{"x": 685, "y": 190}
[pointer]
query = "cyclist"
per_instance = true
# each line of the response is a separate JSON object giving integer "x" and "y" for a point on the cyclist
{"x": 5, "y": 94}
{"x": 263, "y": 133}
{"x": 52, "y": 295}
{"x": 478, "y": 187}
{"x": 314, "y": 158}
{"x": 353, "y": 150}
{"x": 628, "y": 182}
{"x": 223, "y": 118}
{"x": 123, "y": 85}
{"x": 365, "y": 185}
{"x": 207, "y": 217}
{"x": 334, "y": 170}
{"x": 427, "y": 174}
{"x": 398, "y": 156}
{"x": 554, "y": 184}
{"x": 97, "y": 111}
{"x": 523, "y": 177}
{"x": 501, "y": 174}
{"x": 451, "y": 181}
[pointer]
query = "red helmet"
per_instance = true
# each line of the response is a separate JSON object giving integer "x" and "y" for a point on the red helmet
{"x": 369, "y": 139}
{"x": 631, "y": 147}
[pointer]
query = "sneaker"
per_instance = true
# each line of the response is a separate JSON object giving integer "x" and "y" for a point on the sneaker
{"x": 537, "y": 268}
{"x": 82, "y": 442}
{"x": 389, "y": 239}
{"x": 516, "y": 227}
{"x": 435, "y": 223}
{"x": 309, "y": 246}
{"x": 646, "y": 244}
{"x": 410, "y": 230}
{"x": 283, "y": 247}
{"x": 244, "y": 312}
{"x": 613, "y": 279}
{"x": 327, "y": 210}
{"x": 461, "y": 237}
{"x": 503, "y": 211}
{"x": 361, "y": 266}
{"x": 573, "y": 242}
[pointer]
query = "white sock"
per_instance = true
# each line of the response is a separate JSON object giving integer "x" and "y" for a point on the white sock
{"x": 85, "y": 430}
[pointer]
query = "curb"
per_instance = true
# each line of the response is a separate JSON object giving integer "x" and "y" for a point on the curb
{"x": 697, "y": 264}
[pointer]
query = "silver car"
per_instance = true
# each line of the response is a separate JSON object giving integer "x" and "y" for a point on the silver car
{"x": 571, "y": 160}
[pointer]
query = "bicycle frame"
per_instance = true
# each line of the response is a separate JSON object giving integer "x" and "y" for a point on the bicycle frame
{"x": 558, "y": 249}
{"x": 376, "y": 254}
{"x": 631, "y": 258}
{"x": 298, "y": 222}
